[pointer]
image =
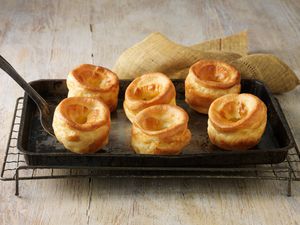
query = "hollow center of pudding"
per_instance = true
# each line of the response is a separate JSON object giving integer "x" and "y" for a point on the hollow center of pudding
{"x": 147, "y": 92}
{"x": 233, "y": 111}
{"x": 157, "y": 123}
{"x": 78, "y": 113}
{"x": 213, "y": 73}
{"x": 95, "y": 79}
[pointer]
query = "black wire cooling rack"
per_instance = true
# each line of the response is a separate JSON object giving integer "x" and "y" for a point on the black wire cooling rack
{"x": 14, "y": 167}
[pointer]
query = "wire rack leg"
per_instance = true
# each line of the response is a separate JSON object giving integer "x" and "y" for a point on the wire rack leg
{"x": 289, "y": 184}
{"x": 17, "y": 182}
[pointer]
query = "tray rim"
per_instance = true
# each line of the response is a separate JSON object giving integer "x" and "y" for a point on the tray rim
{"x": 275, "y": 103}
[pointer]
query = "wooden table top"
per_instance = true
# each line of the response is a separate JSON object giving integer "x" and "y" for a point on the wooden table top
{"x": 45, "y": 39}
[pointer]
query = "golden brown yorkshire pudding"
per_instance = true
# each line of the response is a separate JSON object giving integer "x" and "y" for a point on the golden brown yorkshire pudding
{"x": 94, "y": 81}
{"x": 208, "y": 80}
{"x": 148, "y": 90}
{"x": 236, "y": 121}
{"x": 161, "y": 130}
{"x": 82, "y": 124}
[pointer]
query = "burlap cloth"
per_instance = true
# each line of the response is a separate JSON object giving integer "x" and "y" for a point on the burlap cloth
{"x": 156, "y": 53}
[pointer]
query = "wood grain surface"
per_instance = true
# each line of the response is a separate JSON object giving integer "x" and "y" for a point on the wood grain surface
{"x": 46, "y": 39}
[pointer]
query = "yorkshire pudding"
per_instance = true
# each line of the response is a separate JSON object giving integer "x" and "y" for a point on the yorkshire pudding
{"x": 161, "y": 130}
{"x": 236, "y": 121}
{"x": 148, "y": 90}
{"x": 208, "y": 80}
{"x": 94, "y": 81}
{"x": 82, "y": 124}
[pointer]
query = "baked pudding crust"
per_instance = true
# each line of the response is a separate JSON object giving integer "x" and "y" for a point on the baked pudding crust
{"x": 148, "y": 90}
{"x": 160, "y": 129}
{"x": 82, "y": 124}
{"x": 215, "y": 74}
{"x": 95, "y": 78}
{"x": 208, "y": 80}
{"x": 237, "y": 121}
{"x": 92, "y": 111}
{"x": 94, "y": 81}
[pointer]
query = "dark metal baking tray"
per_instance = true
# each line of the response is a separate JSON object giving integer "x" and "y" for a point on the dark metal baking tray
{"x": 40, "y": 149}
